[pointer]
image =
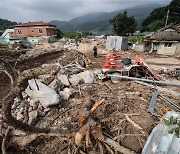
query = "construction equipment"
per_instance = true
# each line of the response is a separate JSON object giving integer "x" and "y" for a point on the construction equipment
{"x": 127, "y": 67}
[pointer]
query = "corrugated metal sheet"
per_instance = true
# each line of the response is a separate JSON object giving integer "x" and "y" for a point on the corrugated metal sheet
{"x": 160, "y": 141}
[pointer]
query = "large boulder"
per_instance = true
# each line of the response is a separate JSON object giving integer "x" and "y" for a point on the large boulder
{"x": 75, "y": 79}
{"x": 42, "y": 93}
{"x": 86, "y": 77}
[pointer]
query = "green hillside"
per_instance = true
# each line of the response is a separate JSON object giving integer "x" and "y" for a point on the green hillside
{"x": 6, "y": 24}
{"x": 98, "y": 22}
{"x": 157, "y": 17}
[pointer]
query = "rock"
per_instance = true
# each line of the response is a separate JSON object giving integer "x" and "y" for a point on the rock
{"x": 32, "y": 117}
{"x": 66, "y": 93}
{"x": 44, "y": 94}
{"x": 15, "y": 104}
{"x": 63, "y": 79}
{"x": 41, "y": 108}
{"x": 55, "y": 84}
{"x": 24, "y": 95}
{"x": 44, "y": 77}
{"x": 47, "y": 110}
{"x": 86, "y": 77}
{"x": 75, "y": 79}
{"x": 30, "y": 108}
{"x": 34, "y": 104}
{"x": 17, "y": 100}
{"x": 21, "y": 105}
{"x": 42, "y": 114}
{"x": 19, "y": 116}
{"x": 21, "y": 110}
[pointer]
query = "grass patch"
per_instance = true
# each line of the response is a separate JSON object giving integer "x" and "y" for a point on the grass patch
{"x": 136, "y": 39}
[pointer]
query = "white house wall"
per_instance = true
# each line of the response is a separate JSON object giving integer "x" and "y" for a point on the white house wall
{"x": 166, "y": 50}
{"x": 178, "y": 49}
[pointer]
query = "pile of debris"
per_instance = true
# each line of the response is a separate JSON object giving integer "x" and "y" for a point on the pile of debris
{"x": 62, "y": 107}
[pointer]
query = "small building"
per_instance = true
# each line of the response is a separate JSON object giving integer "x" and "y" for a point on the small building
{"x": 116, "y": 43}
{"x": 165, "y": 41}
{"x": 32, "y": 32}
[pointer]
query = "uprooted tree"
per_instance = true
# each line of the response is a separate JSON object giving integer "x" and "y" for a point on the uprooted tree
{"x": 122, "y": 24}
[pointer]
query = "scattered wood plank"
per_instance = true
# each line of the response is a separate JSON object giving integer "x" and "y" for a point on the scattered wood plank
{"x": 134, "y": 124}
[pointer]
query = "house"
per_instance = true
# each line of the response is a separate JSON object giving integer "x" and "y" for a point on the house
{"x": 32, "y": 32}
{"x": 165, "y": 41}
{"x": 116, "y": 43}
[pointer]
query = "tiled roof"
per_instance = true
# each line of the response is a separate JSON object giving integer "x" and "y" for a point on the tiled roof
{"x": 163, "y": 35}
{"x": 39, "y": 23}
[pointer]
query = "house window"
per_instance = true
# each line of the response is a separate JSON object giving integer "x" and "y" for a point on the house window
{"x": 19, "y": 31}
{"x": 167, "y": 44}
{"x": 40, "y": 31}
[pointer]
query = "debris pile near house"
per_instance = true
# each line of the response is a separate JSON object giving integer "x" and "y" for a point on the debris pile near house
{"x": 62, "y": 106}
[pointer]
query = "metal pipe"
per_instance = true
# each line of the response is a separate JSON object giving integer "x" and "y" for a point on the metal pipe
{"x": 170, "y": 102}
{"x": 146, "y": 80}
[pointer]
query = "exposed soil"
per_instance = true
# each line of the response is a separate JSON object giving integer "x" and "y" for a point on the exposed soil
{"x": 123, "y": 98}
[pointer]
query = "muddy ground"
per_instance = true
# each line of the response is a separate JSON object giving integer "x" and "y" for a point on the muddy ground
{"x": 126, "y": 98}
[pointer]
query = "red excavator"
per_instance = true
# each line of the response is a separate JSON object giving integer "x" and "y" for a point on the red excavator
{"x": 127, "y": 67}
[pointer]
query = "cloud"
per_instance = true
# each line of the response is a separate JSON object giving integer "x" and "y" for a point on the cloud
{"x": 36, "y": 10}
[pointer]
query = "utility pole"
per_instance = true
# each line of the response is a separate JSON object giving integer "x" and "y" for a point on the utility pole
{"x": 167, "y": 18}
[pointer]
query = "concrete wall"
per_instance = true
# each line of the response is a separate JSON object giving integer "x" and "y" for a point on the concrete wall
{"x": 40, "y": 39}
{"x": 178, "y": 49}
{"x": 138, "y": 47}
{"x": 162, "y": 50}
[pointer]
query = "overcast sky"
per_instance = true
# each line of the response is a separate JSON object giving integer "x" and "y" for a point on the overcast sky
{"x": 47, "y": 10}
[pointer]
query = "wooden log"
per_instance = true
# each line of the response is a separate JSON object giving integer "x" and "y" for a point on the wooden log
{"x": 117, "y": 146}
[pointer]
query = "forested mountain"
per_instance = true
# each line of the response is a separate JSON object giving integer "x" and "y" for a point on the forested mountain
{"x": 99, "y": 22}
{"x": 6, "y": 24}
{"x": 157, "y": 17}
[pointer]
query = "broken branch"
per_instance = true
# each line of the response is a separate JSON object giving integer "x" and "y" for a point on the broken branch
{"x": 134, "y": 124}
{"x": 117, "y": 146}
